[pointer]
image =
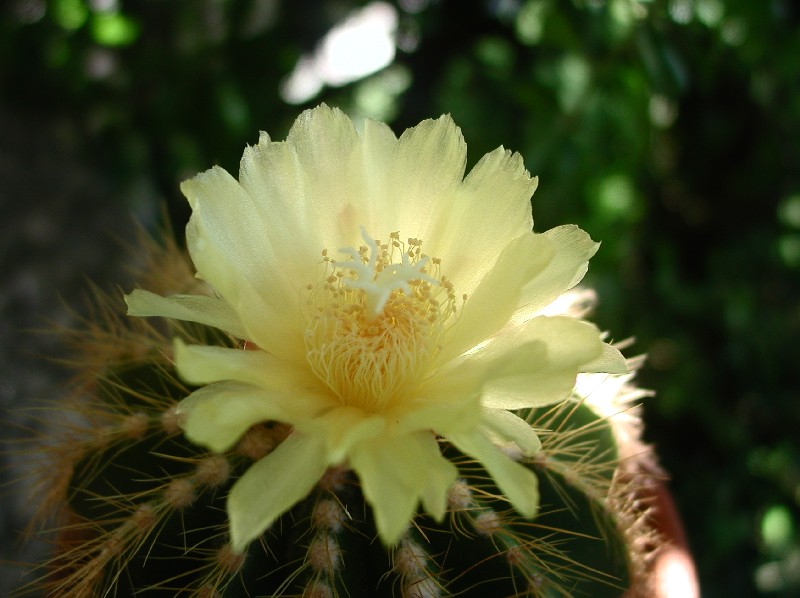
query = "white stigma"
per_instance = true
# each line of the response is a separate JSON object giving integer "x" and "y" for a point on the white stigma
{"x": 379, "y": 282}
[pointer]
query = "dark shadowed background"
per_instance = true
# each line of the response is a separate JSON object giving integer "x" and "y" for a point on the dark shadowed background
{"x": 670, "y": 130}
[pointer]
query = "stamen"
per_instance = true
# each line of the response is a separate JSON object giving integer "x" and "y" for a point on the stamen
{"x": 376, "y": 320}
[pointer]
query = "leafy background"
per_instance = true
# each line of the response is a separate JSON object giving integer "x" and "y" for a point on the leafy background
{"x": 667, "y": 129}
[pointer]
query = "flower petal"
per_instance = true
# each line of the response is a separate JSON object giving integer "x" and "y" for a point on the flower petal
{"x": 227, "y": 242}
{"x": 308, "y": 188}
{"x": 427, "y": 167}
{"x": 447, "y": 403}
{"x": 251, "y": 387}
{"x": 271, "y": 174}
{"x": 217, "y": 415}
{"x": 610, "y": 361}
{"x": 203, "y": 364}
{"x": 376, "y": 156}
{"x": 397, "y": 471}
{"x": 490, "y": 208}
{"x": 498, "y": 295}
{"x": 542, "y": 369}
{"x": 189, "y": 308}
{"x": 516, "y": 482}
{"x": 440, "y": 474}
{"x": 572, "y": 250}
{"x": 512, "y": 427}
{"x": 380, "y": 468}
{"x": 273, "y": 485}
{"x": 342, "y": 427}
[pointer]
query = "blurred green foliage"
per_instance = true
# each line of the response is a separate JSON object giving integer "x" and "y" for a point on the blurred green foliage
{"x": 670, "y": 130}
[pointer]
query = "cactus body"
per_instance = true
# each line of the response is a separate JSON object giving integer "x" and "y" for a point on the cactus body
{"x": 145, "y": 509}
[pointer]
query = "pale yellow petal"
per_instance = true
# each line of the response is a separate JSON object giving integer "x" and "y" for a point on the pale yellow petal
{"x": 511, "y": 427}
{"x": 223, "y": 219}
{"x": 342, "y": 427}
{"x": 520, "y": 388}
{"x": 189, "y": 308}
{"x": 439, "y": 474}
{"x": 273, "y": 177}
{"x": 539, "y": 365}
{"x": 326, "y": 145}
{"x": 517, "y": 483}
{"x": 319, "y": 187}
{"x": 489, "y": 209}
{"x": 572, "y": 250}
{"x": 396, "y": 472}
{"x": 273, "y": 485}
{"x": 391, "y": 481}
{"x": 376, "y": 157}
{"x": 325, "y": 181}
{"x": 510, "y": 211}
{"x": 323, "y": 136}
{"x": 426, "y": 169}
{"x": 496, "y": 298}
{"x": 217, "y": 415}
{"x": 569, "y": 341}
{"x": 442, "y": 407}
{"x": 314, "y": 199}
{"x": 202, "y": 364}
{"x": 227, "y": 242}
{"x": 610, "y": 361}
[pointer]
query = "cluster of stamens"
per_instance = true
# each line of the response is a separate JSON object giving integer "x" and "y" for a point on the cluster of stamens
{"x": 377, "y": 319}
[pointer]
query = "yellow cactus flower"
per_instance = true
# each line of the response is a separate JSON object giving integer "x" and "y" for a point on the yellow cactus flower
{"x": 393, "y": 304}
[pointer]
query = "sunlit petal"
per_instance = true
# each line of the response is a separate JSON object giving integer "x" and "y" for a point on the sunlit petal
{"x": 227, "y": 245}
{"x": 610, "y": 361}
{"x": 189, "y": 308}
{"x": 572, "y": 250}
{"x": 342, "y": 428}
{"x": 217, "y": 415}
{"x": 512, "y": 428}
{"x": 496, "y": 298}
{"x": 427, "y": 166}
{"x": 487, "y": 219}
{"x": 517, "y": 482}
{"x": 202, "y": 364}
{"x": 538, "y": 365}
{"x": 267, "y": 489}
{"x": 392, "y": 482}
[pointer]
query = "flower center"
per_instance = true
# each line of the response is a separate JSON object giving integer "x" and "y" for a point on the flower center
{"x": 376, "y": 320}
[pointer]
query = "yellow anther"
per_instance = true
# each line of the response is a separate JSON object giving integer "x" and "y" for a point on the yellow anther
{"x": 376, "y": 321}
